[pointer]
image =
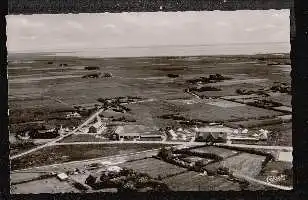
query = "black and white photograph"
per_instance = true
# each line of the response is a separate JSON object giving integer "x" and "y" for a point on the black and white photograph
{"x": 150, "y": 101}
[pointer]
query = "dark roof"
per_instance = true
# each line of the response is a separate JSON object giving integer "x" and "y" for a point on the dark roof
{"x": 215, "y": 135}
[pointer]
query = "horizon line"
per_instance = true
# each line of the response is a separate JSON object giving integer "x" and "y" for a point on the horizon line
{"x": 58, "y": 50}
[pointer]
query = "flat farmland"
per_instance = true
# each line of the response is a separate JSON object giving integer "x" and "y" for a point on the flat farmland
{"x": 43, "y": 186}
{"x": 154, "y": 167}
{"x": 244, "y": 163}
{"x": 284, "y": 99}
{"x": 82, "y": 138}
{"x": 55, "y": 83}
{"x": 131, "y": 76}
{"x": 148, "y": 113}
{"x": 207, "y": 112}
{"x": 193, "y": 181}
{"x": 67, "y": 153}
{"x": 220, "y": 152}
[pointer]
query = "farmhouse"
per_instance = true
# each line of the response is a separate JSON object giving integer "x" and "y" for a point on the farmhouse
{"x": 73, "y": 115}
{"x": 132, "y": 131}
{"x": 213, "y": 134}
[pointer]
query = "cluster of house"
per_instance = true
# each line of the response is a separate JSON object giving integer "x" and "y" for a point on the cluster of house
{"x": 216, "y": 133}
{"x": 180, "y": 134}
{"x": 72, "y": 115}
{"x": 98, "y": 127}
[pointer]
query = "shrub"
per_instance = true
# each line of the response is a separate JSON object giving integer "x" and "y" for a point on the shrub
{"x": 91, "y": 68}
{"x": 129, "y": 186}
{"x": 107, "y": 75}
{"x": 172, "y": 75}
{"x": 165, "y": 154}
{"x": 90, "y": 180}
{"x": 203, "y": 89}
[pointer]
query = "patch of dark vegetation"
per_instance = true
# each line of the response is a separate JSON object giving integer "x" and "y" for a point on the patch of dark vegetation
{"x": 177, "y": 157}
{"x": 172, "y": 116}
{"x": 49, "y": 62}
{"x": 278, "y": 62}
{"x": 22, "y": 127}
{"x": 121, "y": 109}
{"x": 43, "y": 134}
{"x": 172, "y": 75}
{"x": 276, "y": 87}
{"x": 168, "y": 155}
{"x": 91, "y": 68}
{"x": 256, "y": 123}
{"x": 21, "y": 145}
{"x": 92, "y": 75}
{"x": 21, "y": 119}
{"x": 190, "y": 123}
{"x": 125, "y": 180}
{"x": 124, "y": 119}
{"x": 27, "y": 115}
{"x": 107, "y": 75}
{"x": 85, "y": 112}
{"x": 182, "y": 120}
{"x": 262, "y": 103}
{"x": 65, "y": 110}
{"x": 281, "y": 87}
{"x": 204, "y": 155}
{"x": 275, "y": 60}
{"x": 249, "y": 92}
{"x": 213, "y": 78}
{"x": 203, "y": 89}
{"x": 118, "y": 100}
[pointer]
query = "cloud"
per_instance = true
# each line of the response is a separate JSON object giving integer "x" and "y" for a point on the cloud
{"x": 77, "y": 31}
{"x": 28, "y": 37}
{"x": 31, "y": 24}
{"x": 74, "y": 24}
{"x": 111, "y": 26}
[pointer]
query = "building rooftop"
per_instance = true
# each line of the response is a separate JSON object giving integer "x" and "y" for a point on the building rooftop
{"x": 133, "y": 129}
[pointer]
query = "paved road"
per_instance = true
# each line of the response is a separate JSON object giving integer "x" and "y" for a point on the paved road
{"x": 285, "y": 148}
{"x": 58, "y": 139}
{"x": 128, "y": 142}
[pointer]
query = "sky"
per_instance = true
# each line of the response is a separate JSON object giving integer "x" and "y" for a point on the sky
{"x": 82, "y": 32}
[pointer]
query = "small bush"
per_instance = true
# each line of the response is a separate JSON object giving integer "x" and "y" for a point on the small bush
{"x": 172, "y": 75}
{"x": 91, "y": 68}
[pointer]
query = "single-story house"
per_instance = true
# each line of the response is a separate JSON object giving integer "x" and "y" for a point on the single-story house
{"x": 132, "y": 131}
{"x": 211, "y": 137}
{"x": 92, "y": 129}
{"x": 213, "y": 134}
